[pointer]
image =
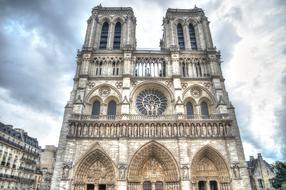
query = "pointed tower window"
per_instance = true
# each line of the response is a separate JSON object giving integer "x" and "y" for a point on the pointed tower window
{"x": 104, "y": 36}
{"x": 117, "y": 36}
{"x": 190, "y": 110}
{"x": 95, "y": 108}
{"x": 192, "y": 37}
{"x": 204, "y": 110}
{"x": 180, "y": 34}
{"x": 111, "y": 109}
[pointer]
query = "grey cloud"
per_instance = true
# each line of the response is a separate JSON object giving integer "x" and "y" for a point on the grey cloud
{"x": 226, "y": 38}
{"x": 33, "y": 73}
{"x": 281, "y": 115}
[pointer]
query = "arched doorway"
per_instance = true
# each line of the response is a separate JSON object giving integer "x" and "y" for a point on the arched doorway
{"x": 95, "y": 172}
{"x": 209, "y": 171}
{"x": 153, "y": 168}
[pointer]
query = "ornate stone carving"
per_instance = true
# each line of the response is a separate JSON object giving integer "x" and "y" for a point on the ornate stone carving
{"x": 66, "y": 168}
{"x": 91, "y": 84}
{"x": 118, "y": 84}
{"x": 207, "y": 84}
{"x": 122, "y": 171}
{"x": 184, "y": 85}
{"x": 185, "y": 172}
{"x": 133, "y": 82}
{"x": 236, "y": 170}
{"x": 168, "y": 83}
{"x": 104, "y": 91}
{"x": 151, "y": 102}
{"x": 196, "y": 92}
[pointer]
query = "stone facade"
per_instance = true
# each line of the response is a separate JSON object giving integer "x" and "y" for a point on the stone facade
{"x": 260, "y": 173}
{"x": 149, "y": 120}
{"x": 47, "y": 163}
{"x": 19, "y": 156}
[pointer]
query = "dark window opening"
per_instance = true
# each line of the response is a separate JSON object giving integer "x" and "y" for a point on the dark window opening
{"x": 159, "y": 185}
{"x": 111, "y": 109}
{"x": 117, "y": 36}
{"x": 101, "y": 187}
{"x": 96, "y": 108}
{"x": 90, "y": 187}
{"x": 147, "y": 185}
{"x": 180, "y": 34}
{"x": 204, "y": 110}
{"x": 202, "y": 185}
{"x": 190, "y": 111}
{"x": 104, "y": 36}
{"x": 192, "y": 37}
{"x": 213, "y": 185}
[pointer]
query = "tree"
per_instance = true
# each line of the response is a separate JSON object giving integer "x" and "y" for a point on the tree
{"x": 280, "y": 171}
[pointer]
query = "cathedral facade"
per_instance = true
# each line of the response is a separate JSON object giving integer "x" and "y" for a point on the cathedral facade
{"x": 149, "y": 119}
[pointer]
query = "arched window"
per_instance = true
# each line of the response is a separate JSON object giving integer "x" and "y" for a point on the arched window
{"x": 147, "y": 185}
{"x": 117, "y": 36}
{"x": 104, "y": 36}
{"x": 190, "y": 110}
{"x": 111, "y": 109}
{"x": 180, "y": 34}
{"x": 192, "y": 37}
{"x": 96, "y": 108}
{"x": 204, "y": 110}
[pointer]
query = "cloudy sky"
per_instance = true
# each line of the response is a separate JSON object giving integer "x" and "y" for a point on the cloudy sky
{"x": 39, "y": 40}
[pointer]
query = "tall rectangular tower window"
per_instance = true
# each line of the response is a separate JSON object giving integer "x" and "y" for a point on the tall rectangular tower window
{"x": 104, "y": 36}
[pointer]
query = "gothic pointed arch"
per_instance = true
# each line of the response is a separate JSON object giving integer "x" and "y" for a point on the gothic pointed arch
{"x": 209, "y": 167}
{"x": 153, "y": 162}
{"x": 95, "y": 167}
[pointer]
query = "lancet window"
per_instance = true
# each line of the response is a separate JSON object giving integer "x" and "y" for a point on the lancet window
{"x": 111, "y": 109}
{"x": 150, "y": 67}
{"x": 95, "y": 108}
{"x": 117, "y": 36}
{"x": 104, "y": 36}
{"x": 180, "y": 34}
{"x": 192, "y": 35}
{"x": 190, "y": 110}
{"x": 204, "y": 109}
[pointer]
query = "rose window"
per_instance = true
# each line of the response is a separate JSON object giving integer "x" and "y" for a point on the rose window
{"x": 151, "y": 102}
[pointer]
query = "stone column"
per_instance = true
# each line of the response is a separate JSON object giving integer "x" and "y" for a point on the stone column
{"x": 87, "y": 34}
{"x": 187, "y": 37}
{"x": 110, "y": 36}
{"x": 207, "y": 33}
{"x": 93, "y": 32}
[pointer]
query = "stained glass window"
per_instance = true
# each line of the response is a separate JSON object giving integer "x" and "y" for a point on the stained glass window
{"x": 151, "y": 102}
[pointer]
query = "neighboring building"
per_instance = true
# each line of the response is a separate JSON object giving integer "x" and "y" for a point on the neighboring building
{"x": 19, "y": 156}
{"x": 260, "y": 173}
{"x": 147, "y": 119}
{"x": 48, "y": 158}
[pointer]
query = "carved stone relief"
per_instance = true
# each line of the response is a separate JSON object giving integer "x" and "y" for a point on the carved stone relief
{"x": 104, "y": 91}
{"x": 196, "y": 92}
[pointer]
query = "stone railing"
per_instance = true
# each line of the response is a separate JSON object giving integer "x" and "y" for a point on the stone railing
{"x": 135, "y": 117}
{"x": 152, "y": 128}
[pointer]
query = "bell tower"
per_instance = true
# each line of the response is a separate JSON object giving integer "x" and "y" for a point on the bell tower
{"x": 149, "y": 119}
{"x": 110, "y": 29}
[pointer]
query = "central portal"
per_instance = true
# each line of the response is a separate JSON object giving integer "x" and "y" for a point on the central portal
{"x": 153, "y": 168}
